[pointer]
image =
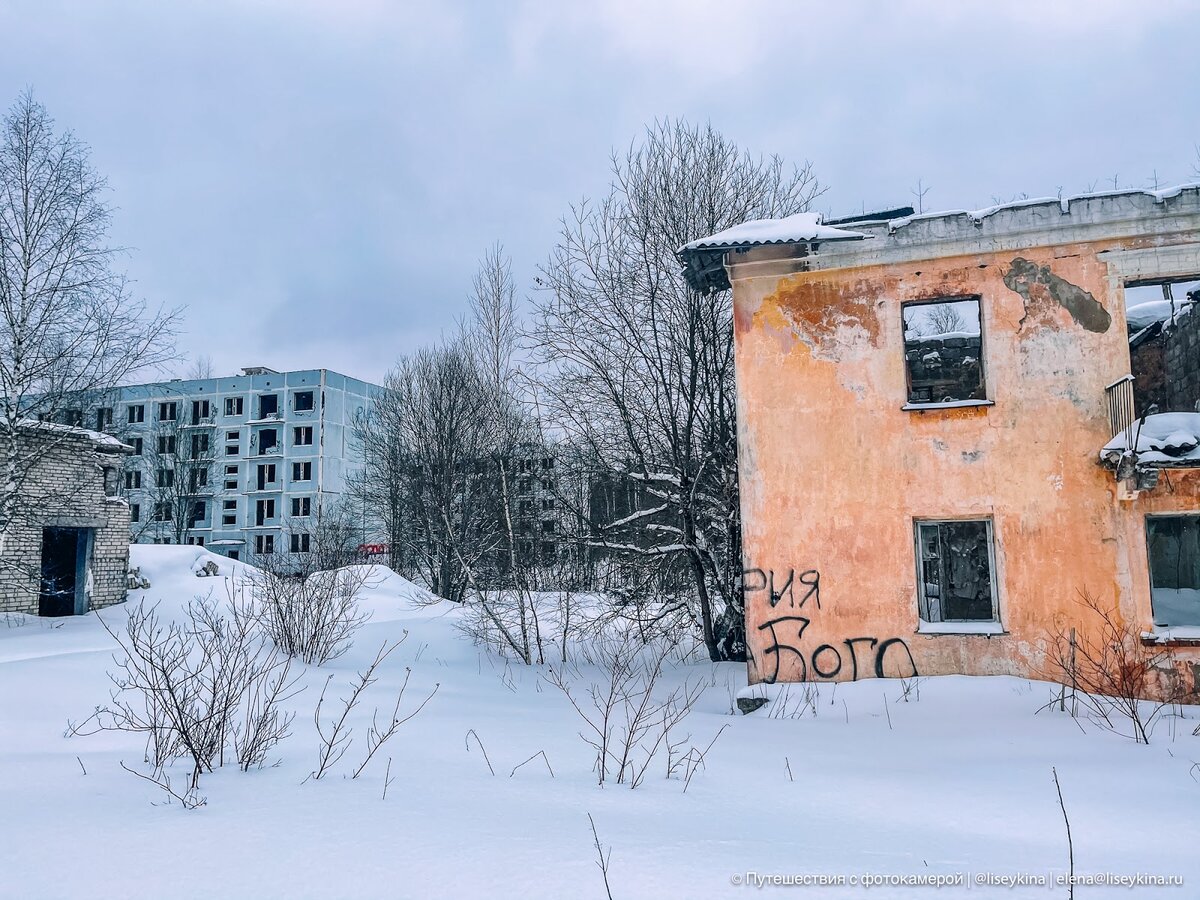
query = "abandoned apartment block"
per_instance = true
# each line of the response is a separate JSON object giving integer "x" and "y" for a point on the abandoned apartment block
{"x": 954, "y": 426}
{"x": 66, "y": 544}
{"x": 242, "y": 465}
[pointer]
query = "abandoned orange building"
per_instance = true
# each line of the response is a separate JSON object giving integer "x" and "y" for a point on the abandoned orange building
{"x": 942, "y": 447}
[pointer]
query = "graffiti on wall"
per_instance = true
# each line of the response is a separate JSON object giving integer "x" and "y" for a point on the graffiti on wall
{"x": 758, "y": 580}
{"x": 852, "y": 657}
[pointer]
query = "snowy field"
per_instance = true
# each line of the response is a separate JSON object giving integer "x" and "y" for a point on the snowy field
{"x": 955, "y": 782}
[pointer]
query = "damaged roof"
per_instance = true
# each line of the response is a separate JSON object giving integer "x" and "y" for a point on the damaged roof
{"x": 704, "y": 259}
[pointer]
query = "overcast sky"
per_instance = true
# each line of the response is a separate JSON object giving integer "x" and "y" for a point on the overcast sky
{"x": 315, "y": 181}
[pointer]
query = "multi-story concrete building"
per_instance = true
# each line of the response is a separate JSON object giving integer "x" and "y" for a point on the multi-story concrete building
{"x": 244, "y": 464}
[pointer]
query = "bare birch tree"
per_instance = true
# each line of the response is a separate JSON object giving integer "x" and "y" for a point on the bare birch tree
{"x": 640, "y": 368}
{"x": 69, "y": 325}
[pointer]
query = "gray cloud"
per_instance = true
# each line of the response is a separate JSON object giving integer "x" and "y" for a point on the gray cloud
{"x": 316, "y": 181}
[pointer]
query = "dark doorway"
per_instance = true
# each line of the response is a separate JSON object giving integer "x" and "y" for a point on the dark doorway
{"x": 64, "y": 566}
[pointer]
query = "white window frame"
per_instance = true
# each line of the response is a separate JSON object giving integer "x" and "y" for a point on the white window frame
{"x": 957, "y": 626}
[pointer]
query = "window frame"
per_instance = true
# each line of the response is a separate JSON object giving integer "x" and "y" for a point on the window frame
{"x": 312, "y": 400}
{"x": 984, "y": 387}
{"x": 994, "y": 625}
{"x": 1182, "y": 514}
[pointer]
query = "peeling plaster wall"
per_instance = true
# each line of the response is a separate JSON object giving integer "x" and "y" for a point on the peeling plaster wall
{"x": 833, "y": 472}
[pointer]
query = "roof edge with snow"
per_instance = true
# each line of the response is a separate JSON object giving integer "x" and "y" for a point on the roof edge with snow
{"x": 1021, "y": 223}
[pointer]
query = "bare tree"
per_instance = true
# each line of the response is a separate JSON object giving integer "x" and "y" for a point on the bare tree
{"x": 174, "y": 470}
{"x": 945, "y": 319}
{"x": 69, "y": 327}
{"x": 426, "y": 442}
{"x": 200, "y": 369}
{"x": 639, "y": 368}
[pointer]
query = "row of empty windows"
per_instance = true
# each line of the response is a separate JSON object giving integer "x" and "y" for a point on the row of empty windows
{"x": 264, "y": 511}
{"x": 202, "y": 409}
{"x": 168, "y": 410}
{"x": 266, "y": 475}
{"x": 264, "y": 544}
{"x": 957, "y": 583}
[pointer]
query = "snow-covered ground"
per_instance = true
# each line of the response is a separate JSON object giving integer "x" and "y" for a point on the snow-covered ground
{"x": 958, "y": 781}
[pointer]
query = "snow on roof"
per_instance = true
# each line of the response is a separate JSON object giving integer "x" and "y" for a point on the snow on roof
{"x": 1163, "y": 439}
{"x": 99, "y": 439}
{"x": 798, "y": 228}
{"x": 941, "y": 336}
{"x": 1064, "y": 203}
{"x": 1143, "y": 315}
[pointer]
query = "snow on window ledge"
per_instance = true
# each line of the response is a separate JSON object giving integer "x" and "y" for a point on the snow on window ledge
{"x": 924, "y": 627}
{"x": 949, "y": 404}
{"x": 1162, "y": 634}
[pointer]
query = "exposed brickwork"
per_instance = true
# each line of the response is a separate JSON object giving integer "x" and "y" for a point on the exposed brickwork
{"x": 65, "y": 487}
{"x": 944, "y": 369}
{"x": 1182, "y": 361}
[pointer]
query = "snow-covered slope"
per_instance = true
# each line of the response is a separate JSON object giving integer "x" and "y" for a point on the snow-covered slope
{"x": 955, "y": 782}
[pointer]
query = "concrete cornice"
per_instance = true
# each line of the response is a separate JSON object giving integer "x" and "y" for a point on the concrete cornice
{"x": 1137, "y": 217}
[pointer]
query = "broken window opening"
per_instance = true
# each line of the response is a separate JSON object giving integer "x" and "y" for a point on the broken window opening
{"x": 943, "y": 350}
{"x": 956, "y": 568}
{"x": 1173, "y": 546}
{"x": 302, "y": 401}
{"x": 263, "y": 510}
{"x": 1164, "y": 333}
{"x": 268, "y": 405}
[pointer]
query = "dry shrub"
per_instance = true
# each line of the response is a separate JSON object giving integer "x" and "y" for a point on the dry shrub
{"x": 1123, "y": 682}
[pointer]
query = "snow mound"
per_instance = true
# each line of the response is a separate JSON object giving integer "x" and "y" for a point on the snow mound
{"x": 159, "y": 561}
